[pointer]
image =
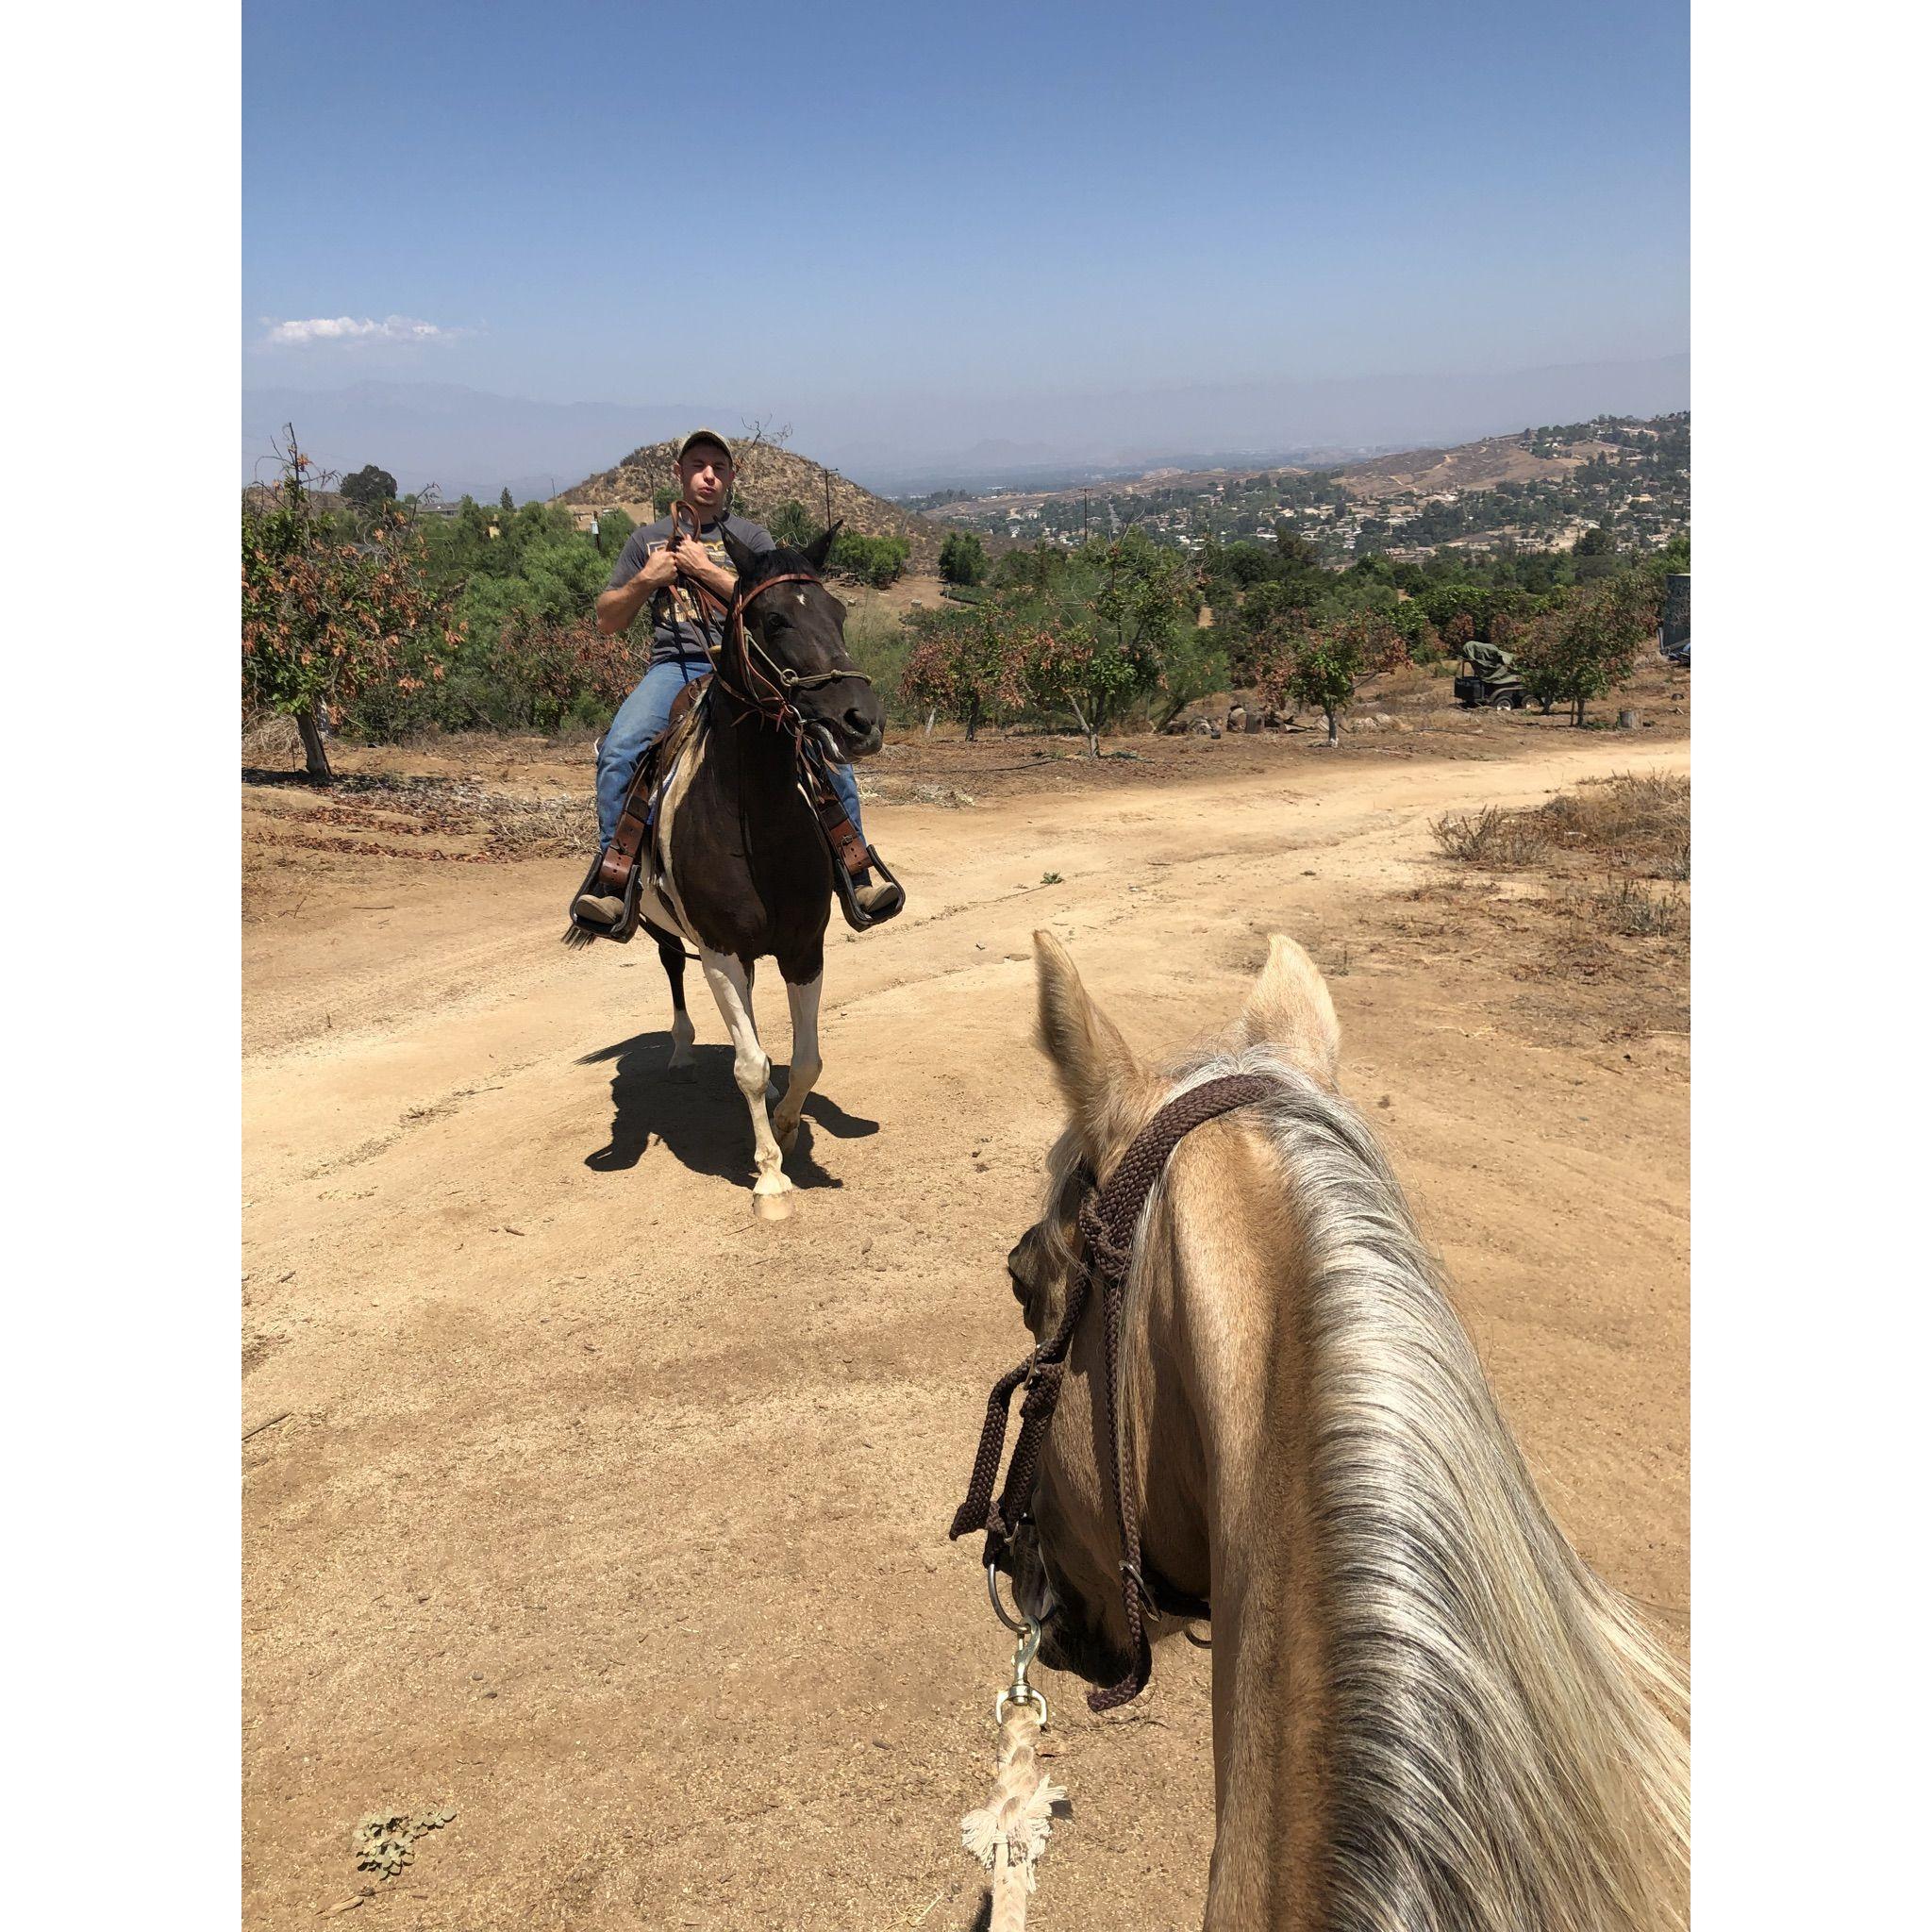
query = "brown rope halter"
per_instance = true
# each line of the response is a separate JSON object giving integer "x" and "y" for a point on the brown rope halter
{"x": 1106, "y": 1222}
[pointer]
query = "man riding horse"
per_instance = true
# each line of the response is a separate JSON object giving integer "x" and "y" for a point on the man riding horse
{"x": 685, "y": 579}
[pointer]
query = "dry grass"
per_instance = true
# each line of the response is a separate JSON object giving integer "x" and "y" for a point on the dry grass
{"x": 1635, "y": 823}
{"x": 1492, "y": 837}
{"x": 1632, "y": 824}
{"x": 1627, "y": 905}
{"x": 271, "y": 742}
{"x": 1602, "y": 933}
{"x": 378, "y": 816}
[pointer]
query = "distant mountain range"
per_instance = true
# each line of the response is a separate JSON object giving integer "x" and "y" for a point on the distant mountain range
{"x": 468, "y": 440}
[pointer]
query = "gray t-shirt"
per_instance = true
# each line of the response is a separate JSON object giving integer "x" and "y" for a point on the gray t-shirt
{"x": 678, "y": 620}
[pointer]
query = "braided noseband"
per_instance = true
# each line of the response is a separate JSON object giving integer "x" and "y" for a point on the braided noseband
{"x": 1107, "y": 1218}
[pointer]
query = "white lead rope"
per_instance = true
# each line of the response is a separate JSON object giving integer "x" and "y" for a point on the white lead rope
{"x": 1009, "y": 1833}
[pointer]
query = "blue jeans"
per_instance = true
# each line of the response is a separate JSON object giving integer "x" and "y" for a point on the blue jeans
{"x": 639, "y": 719}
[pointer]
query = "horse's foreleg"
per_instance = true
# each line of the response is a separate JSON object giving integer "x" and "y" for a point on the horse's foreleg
{"x": 751, "y": 1067}
{"x": 682, "y": 1032}
{"x": 804, "y": 1059}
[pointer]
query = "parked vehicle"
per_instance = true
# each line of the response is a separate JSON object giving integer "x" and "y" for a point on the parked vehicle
{"x": 1674, "y": 628}
{"x": 1492, "y": 682}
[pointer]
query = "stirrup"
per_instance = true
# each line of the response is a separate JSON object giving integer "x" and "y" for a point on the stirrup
{"x": 856, "y": 917}
{"x": 633, "y": 907}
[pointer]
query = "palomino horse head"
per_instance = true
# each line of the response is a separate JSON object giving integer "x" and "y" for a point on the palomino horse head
{"x": 797, "y": 631}
{"x": 1067, "y": 1560}
{"x": 1429, "y": 1712}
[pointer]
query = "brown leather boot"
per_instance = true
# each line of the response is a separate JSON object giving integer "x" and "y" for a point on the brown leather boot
{"x": 879, "y": 899}
{"x": 602, "y": 909}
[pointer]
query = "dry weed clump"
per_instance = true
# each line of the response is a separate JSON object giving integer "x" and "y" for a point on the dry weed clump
{"x": 1492, "y": 837}
{"x": 1628, "y": 907}
{"x": 1636, "y": 824}
{"x": 271, "y": 740}
{"x": 1639, "y": 823}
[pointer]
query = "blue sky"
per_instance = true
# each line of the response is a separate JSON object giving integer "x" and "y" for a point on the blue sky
{"x": 852, "y": 208}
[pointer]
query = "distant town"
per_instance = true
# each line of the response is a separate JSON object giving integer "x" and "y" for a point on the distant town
{"x": 1539, "y": 491}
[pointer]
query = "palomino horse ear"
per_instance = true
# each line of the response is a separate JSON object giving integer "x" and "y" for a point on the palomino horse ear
{"x": 1097, "y": 1072}
{"x": 1288, "y": 1007}
{"x": 817, "y": 555}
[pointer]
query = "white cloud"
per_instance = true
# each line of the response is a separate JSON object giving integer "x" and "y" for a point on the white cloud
{"x": 347, "y": 328}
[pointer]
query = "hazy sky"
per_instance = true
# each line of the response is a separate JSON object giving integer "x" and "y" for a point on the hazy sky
{"x": 790, "y": 207}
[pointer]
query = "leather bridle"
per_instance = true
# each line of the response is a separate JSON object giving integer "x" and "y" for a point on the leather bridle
{"x": 756, "y": 681}
{"x": 1107, "y": 1217}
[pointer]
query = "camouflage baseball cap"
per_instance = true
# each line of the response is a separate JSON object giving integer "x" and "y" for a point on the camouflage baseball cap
{"x": 684, "y": 443}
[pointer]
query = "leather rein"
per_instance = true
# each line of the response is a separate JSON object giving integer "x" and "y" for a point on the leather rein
{"x": 1107, "y": 1217}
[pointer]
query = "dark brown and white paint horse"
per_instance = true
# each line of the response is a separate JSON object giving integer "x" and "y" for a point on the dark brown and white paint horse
{"x": 1430, "y": 1716}
{"x": 738, "y": 866}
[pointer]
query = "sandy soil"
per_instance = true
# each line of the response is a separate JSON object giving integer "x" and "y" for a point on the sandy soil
{"x": 578, "y": 1500}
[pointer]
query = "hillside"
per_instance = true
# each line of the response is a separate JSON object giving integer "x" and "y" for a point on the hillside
{"x": 767, "y": 477}
{"x": 1479, "y": 465}
{"x": 1538, "y": 489}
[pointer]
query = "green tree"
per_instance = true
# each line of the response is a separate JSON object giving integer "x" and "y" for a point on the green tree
{"x": 504, "y": 503}
{"x": 962, "y": 559}
{"x": 1586, "y": 645}
{"x": 1321, "y": 667}
{"x": 368, "y": 487}
{"x": 321, "y": 617}
{"x": 1248, "y": 563}
{"x": 968, "y": 665}
{"x": 1193, "y": 666}
{"x": 1595, "y": 554}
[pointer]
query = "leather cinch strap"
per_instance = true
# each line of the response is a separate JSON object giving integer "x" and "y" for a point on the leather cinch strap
{"x": 1108, "y": 1216}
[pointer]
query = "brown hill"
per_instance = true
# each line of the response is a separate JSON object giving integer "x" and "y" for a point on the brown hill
{"x": 767, "y": 477}
{"x": 1469, "y": 466}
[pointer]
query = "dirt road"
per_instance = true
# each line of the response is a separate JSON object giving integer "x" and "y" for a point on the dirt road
{"x": 580, "y": 1500}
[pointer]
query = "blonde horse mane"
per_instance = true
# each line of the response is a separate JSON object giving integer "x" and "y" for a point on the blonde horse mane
{"x": 1507, "y": 1748}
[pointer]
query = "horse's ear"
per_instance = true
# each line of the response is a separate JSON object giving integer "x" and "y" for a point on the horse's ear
{"x": 1288, "y": 1007}
{"x": 1097, "y": 1072}
{"x": 817, "y": 555}
{"x": 742, "y": 561}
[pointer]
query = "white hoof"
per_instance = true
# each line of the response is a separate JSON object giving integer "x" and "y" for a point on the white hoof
{"x": 772, "y": 1207}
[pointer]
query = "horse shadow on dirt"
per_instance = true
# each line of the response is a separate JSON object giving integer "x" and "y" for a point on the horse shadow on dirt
{"x": 702, "y": 1119}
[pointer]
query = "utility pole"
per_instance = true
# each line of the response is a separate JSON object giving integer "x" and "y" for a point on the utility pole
{"x": 1083, "y": 519}
{"x": 828, "y": 475}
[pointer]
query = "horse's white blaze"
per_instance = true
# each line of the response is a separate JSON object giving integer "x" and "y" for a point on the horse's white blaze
{"x": 751, "y": 1068}
{"x": 806, "y": 1064}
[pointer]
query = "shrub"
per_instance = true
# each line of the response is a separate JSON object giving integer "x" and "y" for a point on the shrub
{"x": 1492, "y": 837}
{"x": 875, "y": 560}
